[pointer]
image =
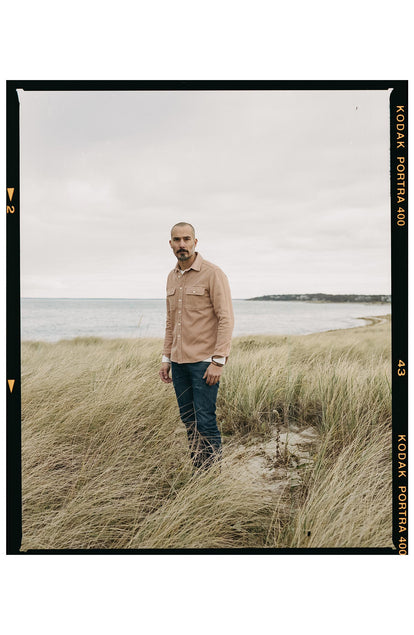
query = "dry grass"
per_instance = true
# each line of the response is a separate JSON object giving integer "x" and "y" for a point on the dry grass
{"x": 349, "y": 502}
{"x": 105, "y": 461}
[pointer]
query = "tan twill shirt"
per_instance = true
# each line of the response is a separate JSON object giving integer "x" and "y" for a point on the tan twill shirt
{"x": 199, "y": 313}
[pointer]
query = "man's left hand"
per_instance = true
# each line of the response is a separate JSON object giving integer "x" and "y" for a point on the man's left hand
{"x": 212, "y": 374}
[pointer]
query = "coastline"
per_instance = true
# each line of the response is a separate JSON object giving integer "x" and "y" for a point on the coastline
{"x": 52, "y": 320}
{"x": 371, "y": 321}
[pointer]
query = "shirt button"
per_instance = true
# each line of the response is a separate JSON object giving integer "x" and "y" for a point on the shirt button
{"x": 180, "y": 287}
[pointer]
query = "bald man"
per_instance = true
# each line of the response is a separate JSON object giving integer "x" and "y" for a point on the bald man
{"x": 197, "y": 342}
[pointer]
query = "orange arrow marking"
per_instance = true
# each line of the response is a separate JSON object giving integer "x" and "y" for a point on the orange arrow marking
{"x": 11, "y": 384}
{"x": 10, "y": 191}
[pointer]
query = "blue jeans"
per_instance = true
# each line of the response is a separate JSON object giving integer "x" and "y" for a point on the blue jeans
{"x": 197, "y": 404}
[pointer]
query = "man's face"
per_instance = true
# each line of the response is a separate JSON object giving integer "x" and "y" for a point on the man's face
{"x": 183, "y": 242}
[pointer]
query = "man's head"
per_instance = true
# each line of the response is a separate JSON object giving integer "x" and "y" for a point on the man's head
{"x": 183, "y": 241}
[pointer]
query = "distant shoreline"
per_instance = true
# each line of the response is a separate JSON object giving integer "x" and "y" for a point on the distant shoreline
{"x": 323, "y": 297}
{"x": 293, "y": 297}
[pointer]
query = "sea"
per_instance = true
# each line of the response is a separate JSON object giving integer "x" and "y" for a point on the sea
{"x": 51, "y": 320}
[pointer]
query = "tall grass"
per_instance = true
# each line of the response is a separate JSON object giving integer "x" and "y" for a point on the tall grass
{"x": 349, "y": 500}
{"x": 105, "y": 459}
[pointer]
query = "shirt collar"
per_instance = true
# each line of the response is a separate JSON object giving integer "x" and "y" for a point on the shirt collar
{"x": 196, "y": 264}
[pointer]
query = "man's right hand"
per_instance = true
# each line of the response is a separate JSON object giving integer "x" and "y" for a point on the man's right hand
{"x": 165, "y": 373}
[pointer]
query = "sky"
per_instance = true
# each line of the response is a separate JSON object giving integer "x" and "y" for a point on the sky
{"x": 288, "y": 190}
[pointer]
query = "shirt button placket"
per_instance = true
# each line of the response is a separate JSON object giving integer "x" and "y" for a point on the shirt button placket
{"x": 180, "y": 304}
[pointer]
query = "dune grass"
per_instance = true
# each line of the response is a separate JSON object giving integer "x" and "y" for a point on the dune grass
{"x": 105, "y": 461}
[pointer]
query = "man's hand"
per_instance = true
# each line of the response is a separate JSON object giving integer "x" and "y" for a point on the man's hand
{"x": 165, "y": 373}
{"x": 212, "y": 374}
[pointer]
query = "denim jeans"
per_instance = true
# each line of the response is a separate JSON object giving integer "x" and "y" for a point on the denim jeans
{"x": 197, "y": 404}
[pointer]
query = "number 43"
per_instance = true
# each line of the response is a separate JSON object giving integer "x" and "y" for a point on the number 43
{"x": 401, "y": 368}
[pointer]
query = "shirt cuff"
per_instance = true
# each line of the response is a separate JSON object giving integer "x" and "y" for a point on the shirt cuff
{"x": 219, "y": 360}
{"x": 165, "y": 360}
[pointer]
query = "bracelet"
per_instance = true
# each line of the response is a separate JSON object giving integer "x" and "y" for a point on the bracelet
{"x": 217, "y": 364}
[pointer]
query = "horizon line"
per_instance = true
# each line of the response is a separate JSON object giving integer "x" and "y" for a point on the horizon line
{"x": 163, "y": 298}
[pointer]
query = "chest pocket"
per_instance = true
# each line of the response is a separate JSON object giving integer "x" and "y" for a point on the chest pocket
{"x": 171, "y": 299}
{"x": 197, "y": 298}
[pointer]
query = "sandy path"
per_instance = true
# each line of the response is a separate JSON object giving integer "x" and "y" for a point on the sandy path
{"x": 277, "y": 464}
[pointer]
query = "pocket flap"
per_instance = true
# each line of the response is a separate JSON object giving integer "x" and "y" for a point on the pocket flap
{"x": 170, "y": 291}
{"x": 195, "y": 290}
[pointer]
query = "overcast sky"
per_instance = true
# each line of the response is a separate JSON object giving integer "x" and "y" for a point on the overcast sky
{"x": 288, "y": 190}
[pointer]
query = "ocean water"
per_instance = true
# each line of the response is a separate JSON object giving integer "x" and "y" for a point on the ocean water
{"x": 60, "y": 318}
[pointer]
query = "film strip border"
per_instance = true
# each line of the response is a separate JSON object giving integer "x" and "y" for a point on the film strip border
{"x": 399, "y": 298}
{"x": 13, "y": 355}
{"x": 399, "y": 289}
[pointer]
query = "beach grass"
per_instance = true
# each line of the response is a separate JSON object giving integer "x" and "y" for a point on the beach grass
{"x": 105, "y": 463}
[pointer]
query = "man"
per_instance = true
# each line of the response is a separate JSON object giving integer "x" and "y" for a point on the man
{"x": 197, "y": 341}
